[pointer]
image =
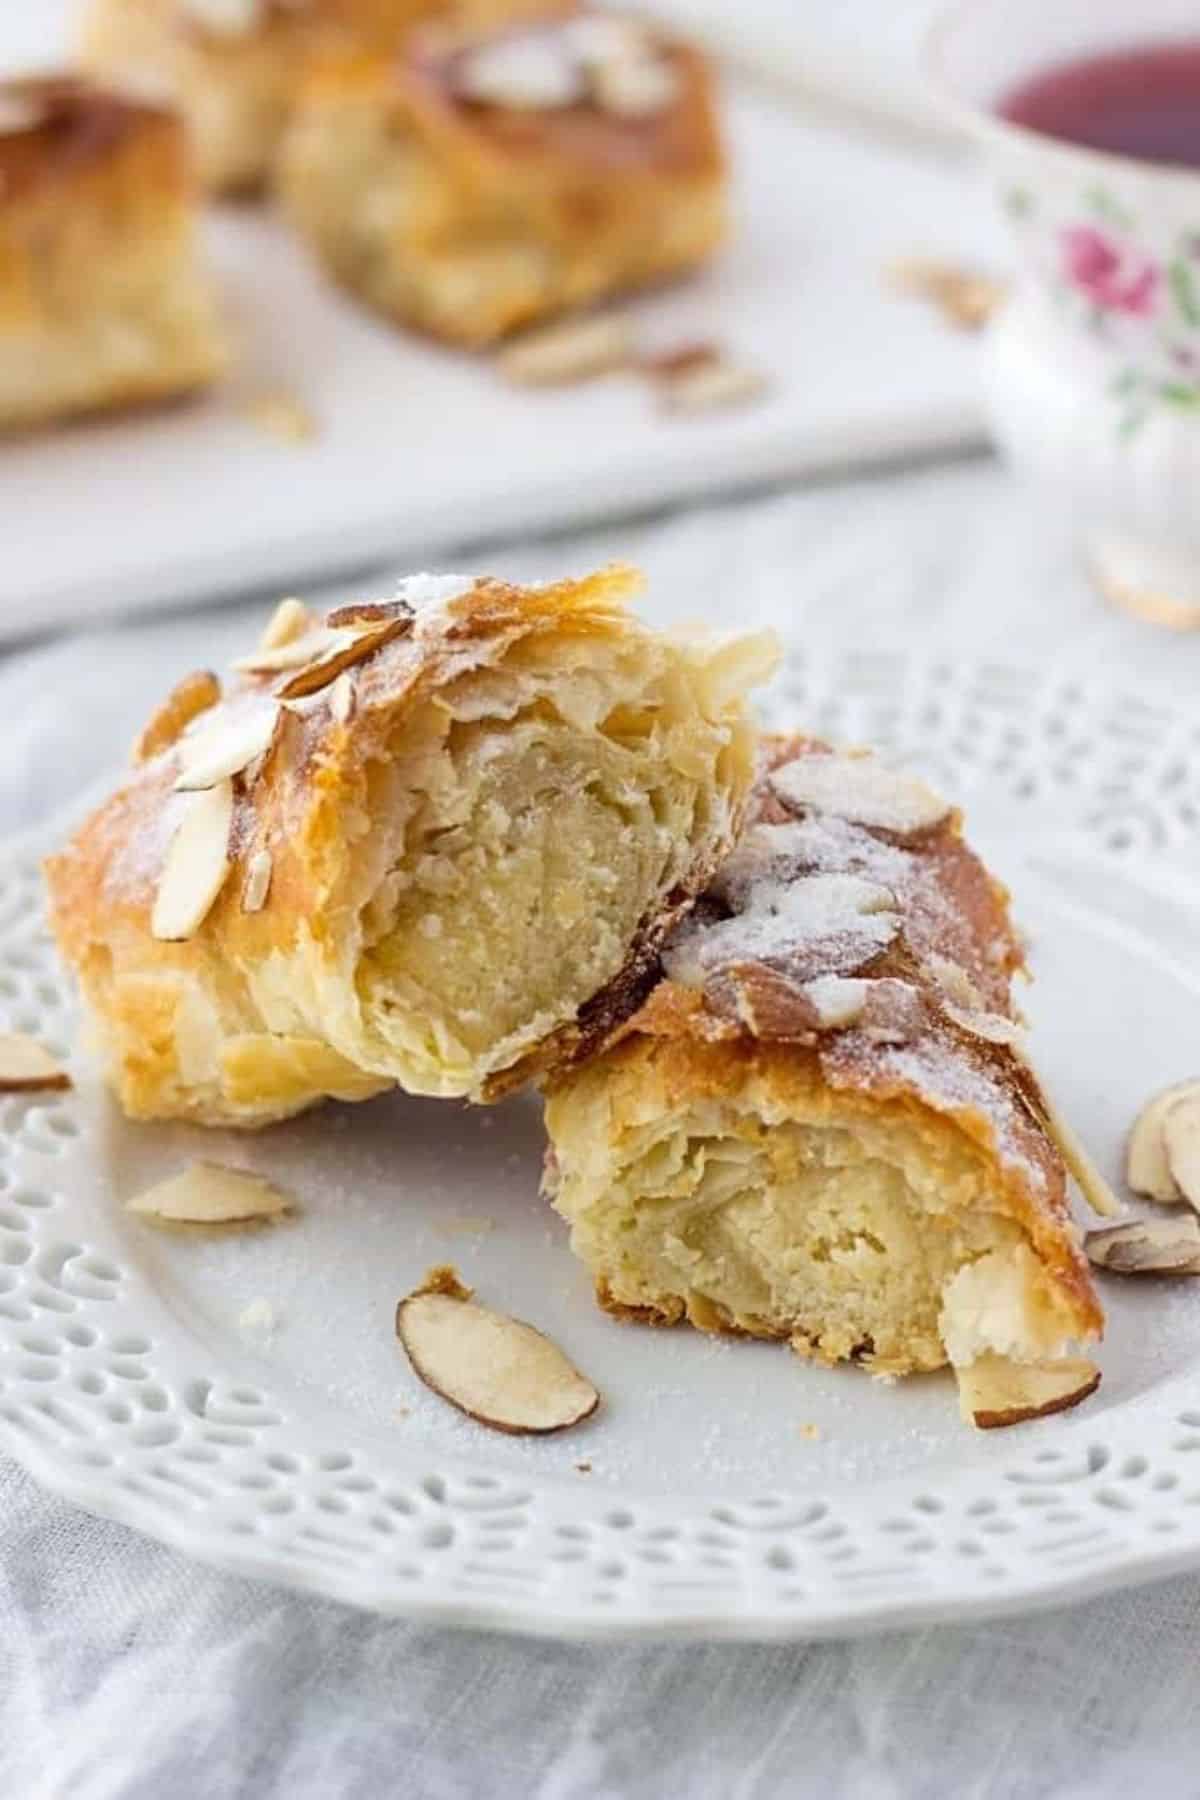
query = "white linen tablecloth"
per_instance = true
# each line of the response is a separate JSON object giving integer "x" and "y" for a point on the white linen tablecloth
{"x": 128, "y": 1673}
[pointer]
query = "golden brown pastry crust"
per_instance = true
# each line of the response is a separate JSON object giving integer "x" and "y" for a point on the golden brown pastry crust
{"x": 260, "y": 1013}
{"x": 236, "y": 85}
{"x": 745, "y": 1052}
{"x": 471, "y": 220}
{"x": 103, "y": 302}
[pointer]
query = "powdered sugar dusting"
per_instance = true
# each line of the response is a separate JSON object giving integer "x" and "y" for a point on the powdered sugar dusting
{"x": 835, "y": 923}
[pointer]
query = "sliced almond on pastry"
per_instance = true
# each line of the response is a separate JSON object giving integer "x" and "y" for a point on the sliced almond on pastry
{"x": 1181, "y": 1137}
{"x": 194, "y": 695}
{"x": 209, "y": 1194}
{"x": 196, "y": 864}
{"x": 533, "y": 71}
{"x": 225, "y": 748}
{"x": 292, "y": 653}
{"x": 572, "y": 351}
{"x": 1147, "y": 1246}
{"x": 991, "y": 1027}
{"x": 634, "y": 87}
{"x": 498, "y": 1370}
{"x": 994, "y": 1392}
{"x": 290, "y": 620}
{"x": 346, "y": 649}
{"x": 26, "y": 1068}
{"x": 257, "y": 884}
{"x": 1147, "y": 1167}
{"x": 861, "y": 789}
{"x": 366, "y": 613}
{"x": 20, "y": 113}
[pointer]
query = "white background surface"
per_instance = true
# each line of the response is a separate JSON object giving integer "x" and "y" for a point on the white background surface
{"x": 129, "y": 1674}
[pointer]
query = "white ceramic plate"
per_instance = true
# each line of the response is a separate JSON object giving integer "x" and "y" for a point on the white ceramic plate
{"x": 418, "y": 447}
{"x": 131, "y": 1381}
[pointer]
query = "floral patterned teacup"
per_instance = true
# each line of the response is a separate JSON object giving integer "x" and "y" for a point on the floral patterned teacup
{"x": 1093, "y": 367}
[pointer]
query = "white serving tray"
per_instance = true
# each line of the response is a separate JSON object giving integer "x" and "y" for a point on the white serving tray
{"x": 419, "y": 449}
{"x": 724, "y": 1488}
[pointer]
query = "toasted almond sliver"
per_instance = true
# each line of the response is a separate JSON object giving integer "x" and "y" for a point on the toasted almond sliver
{"x": 257, "y": 884}
{"x": 194, "y": 695}
{"x": 1163, "y": 1246}
{"x": 196, "y": 865}
{"x": 573, "y": 350}
{"x": 355, "y": 647}
{"x": 207, "y": 1193}
{"x": 862, "y": 789}
{"x": 711, "y": 386}
{"x": 992, "y": 1027}
{"x": 293, "y": 653}
{"x": 1091, "y": 1183}
{"x": 360, "y": 613}
{"x": 955, "y": 983}
{"x": 1181, "y": 1135}
{"x": 26, "y": 1068}
{"x": 499, "y": 1371}
{"x": 994, "y": 1392}
{"x": 290, "y": 620}
{"x": 224, "y": 749}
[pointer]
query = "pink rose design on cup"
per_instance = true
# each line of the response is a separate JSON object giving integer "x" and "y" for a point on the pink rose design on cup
{"x": 1113, "y": 277}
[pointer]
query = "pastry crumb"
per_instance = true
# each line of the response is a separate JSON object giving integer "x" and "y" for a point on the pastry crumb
{"x": 965, "y": 298}
{"x": 810, "y": 1432}
{"x": 585, "y": 1468}
{"x": 259, "y": 1319}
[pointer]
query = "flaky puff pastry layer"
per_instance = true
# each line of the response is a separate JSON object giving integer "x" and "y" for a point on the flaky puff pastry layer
{"x": 455, "y": 833}
{"x": 471, "y": 218}
{"x": 104, "y": 302}
{"x": 232, "y": 66}
{"x": 824, "y": 1128}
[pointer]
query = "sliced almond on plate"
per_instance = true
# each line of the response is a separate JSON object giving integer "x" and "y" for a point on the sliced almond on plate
{"x": 207, "y": 1193}
{"x": 574, "y": 350}
{"x": 196, "y": 864}
{"x": 498, "y": 1370}
{"x": 1181, "y": 1136}
{"x": 994, "y": 1392}
{"x": 26, "y": 1068}
{"x": 290, "y": 620}
{"x": 709, "y": 385}
{"x": 194, "y": 695}
{"x": 1147, "y": 1167}
{"x": 964, "y": 297}
{"x": 1169, "y": 1246}
{"x": 225, "y": 748}
{"x": 257, "y": 884}
{"x": 349, "y": 647}
{"x": 862, "y": 789}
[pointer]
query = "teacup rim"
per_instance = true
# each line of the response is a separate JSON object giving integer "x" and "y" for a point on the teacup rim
{"x": 980, "y": 122}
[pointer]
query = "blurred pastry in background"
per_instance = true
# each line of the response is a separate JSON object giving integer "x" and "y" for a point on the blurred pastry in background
{"x": 103, "y": 299}
{"x": 481, "y": 182}
{"x": 232, "y": 65}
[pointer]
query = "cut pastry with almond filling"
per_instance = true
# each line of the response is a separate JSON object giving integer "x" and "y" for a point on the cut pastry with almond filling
{"x": 434, "y": 841}
{"x": 810, "y": 1131}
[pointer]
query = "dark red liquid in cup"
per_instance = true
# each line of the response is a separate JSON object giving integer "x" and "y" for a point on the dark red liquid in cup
{"x": 1141, "y": 103}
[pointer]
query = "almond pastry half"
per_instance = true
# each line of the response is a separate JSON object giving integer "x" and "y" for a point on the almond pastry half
{"x": 442, "y": 840}
{"x": 800, "y": 1135}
